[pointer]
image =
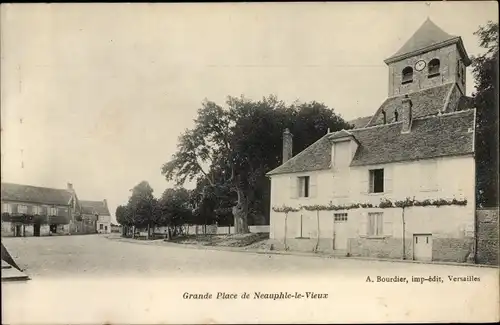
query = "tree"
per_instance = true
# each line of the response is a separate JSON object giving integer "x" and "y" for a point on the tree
{"x": 231, "y": 149}
{"x": 174, "y": 209}
{"x": 141, "y": 206}
{"x": 485, "y": 71}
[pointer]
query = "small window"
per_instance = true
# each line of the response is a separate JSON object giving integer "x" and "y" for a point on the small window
{"x": 376, "y": 181}
{"x": 463, "y": 75}
{"x": 101, "y": 226}
{"x": 434, "y": 66}
{"x": 384, "y": 114}
{"x": 375, "y": 223}
{"x": 53, "y": 211}
{"x": 304, "y": 186}
{"x": 407, "y": 75}
{"x": 396, "y": 115}
{"x": 6, "y": 208}
{"x": 22, "y": 209}
{"x": 339, "y": 217}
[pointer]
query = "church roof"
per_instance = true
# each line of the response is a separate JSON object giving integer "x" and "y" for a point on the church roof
{"x": 428, "y": 37}
{"x": 432, "y": 136}
{"x": 429, "y": 101}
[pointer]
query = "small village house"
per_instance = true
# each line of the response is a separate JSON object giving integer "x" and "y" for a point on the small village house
{"x": 401, "y": 183}
{"x": 37, "y": 211}
{"x": 97, "y": 213}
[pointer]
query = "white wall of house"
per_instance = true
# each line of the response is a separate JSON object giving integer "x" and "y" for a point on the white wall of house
{"x": 441, "y": 178}
{"x": 104, "y": 224}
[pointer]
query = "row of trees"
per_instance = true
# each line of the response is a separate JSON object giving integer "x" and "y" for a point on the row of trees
{"x": 175, "y": 208}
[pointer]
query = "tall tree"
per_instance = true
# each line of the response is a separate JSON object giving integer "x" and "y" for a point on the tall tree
{"x": 141, "y": 205}
{"x": 232, "y": 148}
{"x": 485, "y": 71}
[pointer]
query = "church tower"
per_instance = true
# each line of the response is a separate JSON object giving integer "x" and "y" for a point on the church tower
{"x": 430, "y": 58}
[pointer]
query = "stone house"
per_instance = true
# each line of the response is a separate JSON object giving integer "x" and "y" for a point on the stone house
{"x": 401, "y": 183}
{"x": 97, "y": 212}
{"x": 37, "y": 211}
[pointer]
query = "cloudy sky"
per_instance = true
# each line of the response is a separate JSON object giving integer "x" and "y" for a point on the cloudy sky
{"x": 97, "y": 94}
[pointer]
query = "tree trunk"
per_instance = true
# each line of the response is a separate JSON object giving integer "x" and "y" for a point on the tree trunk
{"x": 240, "y": 213}
{"x": 149, "y": 229}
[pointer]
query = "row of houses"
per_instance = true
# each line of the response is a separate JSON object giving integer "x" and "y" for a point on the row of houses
{"x": 40, "y": 211}
{"x": 401, "y": 183}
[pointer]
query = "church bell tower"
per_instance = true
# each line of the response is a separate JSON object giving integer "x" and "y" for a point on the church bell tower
{"x": 430, "y": 58}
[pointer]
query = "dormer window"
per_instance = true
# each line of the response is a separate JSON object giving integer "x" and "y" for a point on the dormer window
{"x": 407, "y": 75}
{"x": 434, "y": 66}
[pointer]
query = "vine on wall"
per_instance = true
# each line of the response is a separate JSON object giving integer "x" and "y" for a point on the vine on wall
{"x": 384, "y": 204}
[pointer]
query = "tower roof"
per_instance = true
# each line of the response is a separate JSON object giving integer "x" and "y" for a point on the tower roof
{"x": 428, "y": 37}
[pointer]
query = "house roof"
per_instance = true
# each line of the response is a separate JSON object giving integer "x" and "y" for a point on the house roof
{"x": 315, "y": 157}
{"x": 35, "y": 194}
{"x": 428, "y": 37}
{"x": 429, "y": 101}
{"x": 94, "y": 207}
{"x": 430, "y": 137}
{"x": 360, "y": 122}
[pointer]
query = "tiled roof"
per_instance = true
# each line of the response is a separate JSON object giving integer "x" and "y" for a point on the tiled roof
{"x": 94, "y": 207}
{"x": 429, "y": 101}
{"x": 315, "y": 157}
{"x": 360, "y": 122}
{"x": 427, "y": 35}
{"x": 430, "y": 137}
{"x": 35, "y": 194}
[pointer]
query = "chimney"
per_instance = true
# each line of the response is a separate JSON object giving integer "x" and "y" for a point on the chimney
{"x": 70, "y": 187}
{"x": 407, "y": 115}
{"x": 287, "y": 145}
{"x": 105, "y": 202}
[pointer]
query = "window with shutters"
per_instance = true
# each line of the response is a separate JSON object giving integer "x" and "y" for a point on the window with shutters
{"x": 304, "y": 183}
{"x": 375, "y": 224}
{"x": 376, "y": 181}
{"x": 6, "y": 207}
{"x": 22, "y": 209}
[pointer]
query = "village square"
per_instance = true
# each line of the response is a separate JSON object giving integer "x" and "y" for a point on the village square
{"x": 263, "y": 155}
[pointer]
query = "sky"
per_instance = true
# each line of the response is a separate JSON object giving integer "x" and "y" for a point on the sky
{"x": 97, "y": 94}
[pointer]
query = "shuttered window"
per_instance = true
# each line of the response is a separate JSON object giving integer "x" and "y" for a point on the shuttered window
{"x": 7, "y": 208}
{"x": 22, "y": 209}
{"x": 375, "y": 224}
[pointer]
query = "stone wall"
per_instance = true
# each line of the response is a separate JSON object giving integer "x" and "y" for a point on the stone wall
{"x": 487, "y": 236}
{"x": 380, "y": 247}
{"x": 453, "y": 249}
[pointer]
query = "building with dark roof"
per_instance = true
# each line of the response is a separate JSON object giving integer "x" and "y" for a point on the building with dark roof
{"x": 39, "y": 211}
{"x": 400, "y": 183}
{"x": 98, "y": 212}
